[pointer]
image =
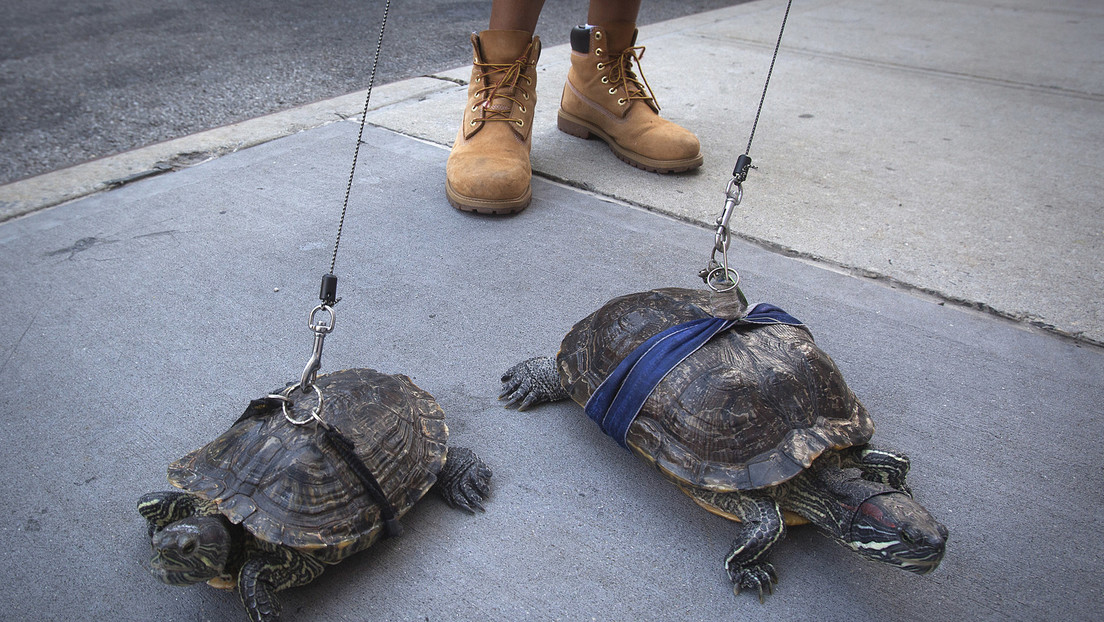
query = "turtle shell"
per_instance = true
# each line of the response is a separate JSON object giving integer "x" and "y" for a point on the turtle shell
{"x": 287, "y": 484}
{"x": 750, "y": 409}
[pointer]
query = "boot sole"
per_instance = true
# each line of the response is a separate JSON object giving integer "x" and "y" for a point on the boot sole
{"x": 485, "y": 206}
{"x": 570, "y": 124}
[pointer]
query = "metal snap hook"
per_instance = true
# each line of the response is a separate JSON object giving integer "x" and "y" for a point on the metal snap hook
{"x": 717, "y": 275}
{"x": 321, "y": 328}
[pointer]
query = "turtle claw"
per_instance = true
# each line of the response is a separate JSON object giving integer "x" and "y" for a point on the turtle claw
{"x": 758, "y": 577}
{"x": 470, "y": 499}
{"x": 517, "y": 389}
{"x": 465, "y": 480}
{"x": 527, "y": 402}
{"x": 531, "y": 382}
{"x": 474, "y": 491}
{"x": 482, "y": 484}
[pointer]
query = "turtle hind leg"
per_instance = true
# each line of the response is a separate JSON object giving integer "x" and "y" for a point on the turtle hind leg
{"x": 465, "y": 480}
{"x": 166, "y": 507}
{"x": 761, "y": 526}
{"x": 269, "y": 571}
{"x": 532, "y": 382}
{"x": 880, "y": 465}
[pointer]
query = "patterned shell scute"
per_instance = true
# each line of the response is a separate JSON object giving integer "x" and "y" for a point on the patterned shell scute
{"x": 287, "y": 485}
{"x": 750, "y": 409}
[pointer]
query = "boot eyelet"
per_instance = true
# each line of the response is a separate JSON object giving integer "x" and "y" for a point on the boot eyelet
{"x": 520, "y": 123}
{"x": 525, "y": 95}
{"x": 597, "y": 35}
{"x": 621, "y": 102}
{"x": 473, "y": 122}
{"x": 605, "y": 80}
{"x": 600, "y": 66}
{"x": 522, "y": 109}
{"x": 613, "y": 91}
{"x": 475, "y": 108}
{"x": 597, "y": 51}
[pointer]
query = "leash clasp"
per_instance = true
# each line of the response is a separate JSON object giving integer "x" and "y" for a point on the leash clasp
{"x": 321, "y": 326}
{"x": 717, "y": 275}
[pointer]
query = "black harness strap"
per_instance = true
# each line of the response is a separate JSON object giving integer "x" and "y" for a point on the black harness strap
{"x": 266, "y": 406}
{"x": 346, "y": 450}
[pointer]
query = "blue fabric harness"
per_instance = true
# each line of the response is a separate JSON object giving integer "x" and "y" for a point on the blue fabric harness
{"x": 617, "y": 401}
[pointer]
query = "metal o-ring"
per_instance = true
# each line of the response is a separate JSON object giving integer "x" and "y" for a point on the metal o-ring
{"x": 315, "y": 413}
{"x": 729, "y": 273}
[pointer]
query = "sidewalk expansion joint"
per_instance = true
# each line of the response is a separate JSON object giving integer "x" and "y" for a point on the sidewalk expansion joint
{"x": 928, "y": 71}
{"x": 1023, "y": 321}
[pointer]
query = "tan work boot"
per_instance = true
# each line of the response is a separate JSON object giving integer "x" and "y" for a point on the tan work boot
{"x": 488, "y": 169}
{"x": 605, "y": 98}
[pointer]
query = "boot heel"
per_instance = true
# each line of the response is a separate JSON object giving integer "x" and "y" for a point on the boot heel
{"x": 570, "y": 127}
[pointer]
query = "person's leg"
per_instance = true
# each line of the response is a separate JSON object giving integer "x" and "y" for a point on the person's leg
{"x": 606, "y": 11}
{"x": 516, "y": 15}
{"x": 488, "y": 169}
{"x": 605, "y": 97}
{"x": 618, "y": 18}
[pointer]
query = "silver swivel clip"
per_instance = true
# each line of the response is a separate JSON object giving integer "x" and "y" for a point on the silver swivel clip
{"x": 717, "y": 275}
{"x": 321, "y": 321}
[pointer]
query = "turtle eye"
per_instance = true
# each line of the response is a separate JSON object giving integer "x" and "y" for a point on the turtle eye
{"x": 906, "y": 537}
{"x": 189, "y": 547}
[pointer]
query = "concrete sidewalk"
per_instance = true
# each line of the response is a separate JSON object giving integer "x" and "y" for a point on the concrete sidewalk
{"x": 140, "y": 321}
{"x": 950, "y": 148}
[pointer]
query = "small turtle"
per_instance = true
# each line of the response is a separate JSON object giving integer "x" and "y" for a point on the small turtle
{"x": 268, "y": 504}
{"x": 757, "y": 426}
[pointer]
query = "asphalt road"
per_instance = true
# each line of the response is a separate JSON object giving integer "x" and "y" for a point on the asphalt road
{"x": 80, "y": 80}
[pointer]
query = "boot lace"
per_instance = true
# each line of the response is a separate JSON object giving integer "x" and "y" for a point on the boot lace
{"x": 622, "y": 76}
{"x": 504, "y": 81}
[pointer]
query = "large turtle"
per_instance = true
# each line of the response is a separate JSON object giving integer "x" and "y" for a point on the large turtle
{"x": 756, "y": 425}
{"x": 268, "y": 504}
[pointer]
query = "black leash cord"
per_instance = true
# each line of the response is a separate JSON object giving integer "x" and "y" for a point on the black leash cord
{"x": 717, "y": 274}
{"x": 743, "y": 163}
{"x": 327, "y": 292}
{"x": 356, "y": 151}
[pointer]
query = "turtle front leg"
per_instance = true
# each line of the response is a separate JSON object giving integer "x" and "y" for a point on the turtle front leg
{"x": 166, "y": 507}
{"x": 880, "y": 465}
{"x": 269, "y": 571}
{"x": 532, "y": 382}
{"x": 465, "y": 480}
{"x": 760, "y": 528}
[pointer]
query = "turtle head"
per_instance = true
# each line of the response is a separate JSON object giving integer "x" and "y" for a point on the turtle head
{"x": 191, "y": 550}
{"x": 893, "y": 528}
